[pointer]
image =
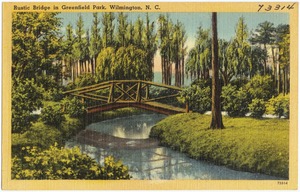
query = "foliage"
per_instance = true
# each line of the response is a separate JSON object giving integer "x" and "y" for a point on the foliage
{"x": 260, "y": 87}
{"x": 35, "y": 44}
{"x": 198, "y": 96}
{"x": 239, "y": 50}
{"x": 56, "y": 163}
{"x": 39, "y": 134}
{"x": 52, "y": 115}
{"x": 199, "y": 59}
{"x": 85, "y": 80}
{"x": 257, "y": 108}
{"x": 53, "y": 94}
{"x": 74, "y": 107}
{"x": 279, "y": 105}
{"x": 235, "y": 101}
{"x": 26, "y": 97}
{"x": 70, "y": 127}
{"x": 245, "y": 144}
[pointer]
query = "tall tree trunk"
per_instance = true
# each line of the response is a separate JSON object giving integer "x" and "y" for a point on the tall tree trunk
{"x": 216, "y": 120}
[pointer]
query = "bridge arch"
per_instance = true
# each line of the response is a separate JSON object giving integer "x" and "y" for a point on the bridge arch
{"x": 116, "y": 94}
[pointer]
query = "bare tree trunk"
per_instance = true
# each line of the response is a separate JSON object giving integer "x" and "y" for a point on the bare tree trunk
{"x": 216, "y": 120}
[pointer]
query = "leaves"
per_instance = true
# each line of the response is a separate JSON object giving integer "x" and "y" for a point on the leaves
{"x": 55, "y": 163}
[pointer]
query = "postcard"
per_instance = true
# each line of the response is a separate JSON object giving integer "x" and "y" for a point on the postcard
{"x": 150, "y": 95}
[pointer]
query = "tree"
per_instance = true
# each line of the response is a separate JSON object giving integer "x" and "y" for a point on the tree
{"x": 264, "y": 35}
{"x": 283, "y": 42}
{"x": 150, "y": 44}
{"x": 122, "y": 41}
{"x": 96, "y": 43}
{"x": 216, "y": 121}
{"x": 198, "y": 63}
{"x": 108, "y": 29}
{"x": 239, "y": 51}
{"x": 68, "y": 55}
{"x": 165, "y": 34}
{"x": 35, "y": 46}
{"x": 26, "y": 97}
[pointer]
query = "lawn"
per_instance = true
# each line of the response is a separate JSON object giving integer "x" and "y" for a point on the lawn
{"x": 247, "y": 144}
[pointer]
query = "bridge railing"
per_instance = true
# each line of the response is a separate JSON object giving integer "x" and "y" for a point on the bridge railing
{"x": 126, "y": 91}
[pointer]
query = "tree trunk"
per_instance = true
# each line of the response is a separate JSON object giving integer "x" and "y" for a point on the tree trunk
{"x": 216, "y": 120}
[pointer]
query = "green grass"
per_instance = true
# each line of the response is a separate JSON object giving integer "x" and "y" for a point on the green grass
{"x": 245, "y": 144}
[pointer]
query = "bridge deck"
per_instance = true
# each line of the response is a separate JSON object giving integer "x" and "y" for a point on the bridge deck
{"x": 153, "y": 106}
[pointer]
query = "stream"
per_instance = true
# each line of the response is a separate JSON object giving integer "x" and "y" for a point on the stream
{"x": 127, "y": 139}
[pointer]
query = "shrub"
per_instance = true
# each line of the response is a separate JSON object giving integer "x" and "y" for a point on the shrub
{"x": 260, "y": 87}
{"x": 85, "y": 80}
{"x": 26, "y": 97}
{"x": 52, "y": 115}
{"x": 235, "y": 101}
{"x": 39, "y": 135}
{"x": 70, "y": 127}
{"x": 257, "y": 108}
{"x": 198, "y": 97}
{"x": 55, "y": 163}
{"x": 279, "y": 105}
{"x": 53, "y": 94}
{"x": 74, "y": 107}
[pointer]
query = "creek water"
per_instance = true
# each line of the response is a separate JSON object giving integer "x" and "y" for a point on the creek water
{"x": 127, "y": 139}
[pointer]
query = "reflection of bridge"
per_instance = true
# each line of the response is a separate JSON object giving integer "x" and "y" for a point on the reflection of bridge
{"x": 116, "y": 94}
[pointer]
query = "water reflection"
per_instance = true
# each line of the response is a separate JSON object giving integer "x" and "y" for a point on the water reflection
{"x": 132, "y": 127}
{"x": 144, "y": 157}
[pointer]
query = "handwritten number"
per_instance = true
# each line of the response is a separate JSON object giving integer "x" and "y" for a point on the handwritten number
{"x": 275, "y": 8}
{"x": 290, "y": 6}
{"x": 260, "y": 6}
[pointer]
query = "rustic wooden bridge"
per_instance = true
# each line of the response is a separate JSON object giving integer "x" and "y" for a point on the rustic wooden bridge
{"x": 117, "y": 94}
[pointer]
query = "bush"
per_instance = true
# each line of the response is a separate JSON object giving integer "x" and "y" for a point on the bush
{"x": 198, "y": 97}
{"x": 235, "y": 101}
{"x": 85, "y": 80}
{"x": 39, "y": 135}
{"x": 74, "y": 107}
{"x": 257, "y": 108}
{"x": 26, "y": 97}
{"x": 52, "y": 115}
{"x": 53, "y": 94}
{"x": 70, "y": 127}
{"x": 279, "y": 105}
{"x": 260, "y": 87}
{"x": 63, "y": 163}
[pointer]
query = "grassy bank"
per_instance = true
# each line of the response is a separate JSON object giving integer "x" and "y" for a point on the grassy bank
{"x": 245, "y": 144}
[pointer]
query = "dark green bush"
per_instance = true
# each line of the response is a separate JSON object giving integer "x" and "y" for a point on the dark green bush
{"x": 74, "y": 107}
{"x": 26, "y": 97}
{"x": 39, "y": 135}
{"x": 260, "y": 87}
{"x": 85, "y": 80}
{"x": 198, "y": 97}
{"x": 53, "y": 94}
{"x": 257, "y": 108}
{"x": 235, "y": 101}
{"x": 55, "y": 163}
{"x": 52, "y": 115}
{"x": 279, "y": 105}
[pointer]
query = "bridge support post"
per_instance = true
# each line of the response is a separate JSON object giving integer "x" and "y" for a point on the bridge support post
{"x": 111, "y": 94}
{"x": 138, "y": 92}
{"x": 187, "y": 108}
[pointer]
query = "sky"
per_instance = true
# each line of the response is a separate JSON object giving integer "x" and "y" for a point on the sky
{"x": 192, "y": 20}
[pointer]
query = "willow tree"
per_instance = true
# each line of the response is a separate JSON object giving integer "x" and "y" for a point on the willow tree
{"x": 216, "y": 120}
